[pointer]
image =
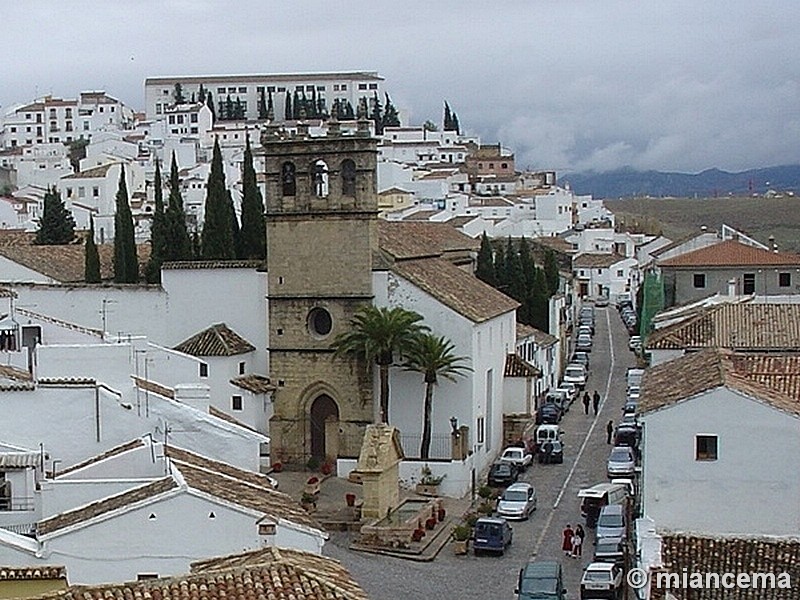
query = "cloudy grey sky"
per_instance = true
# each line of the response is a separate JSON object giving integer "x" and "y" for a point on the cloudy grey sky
{"x": 568, "y": 84}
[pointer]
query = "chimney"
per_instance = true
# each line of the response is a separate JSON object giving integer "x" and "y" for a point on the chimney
{"x": 196, "y": 395}
{"x": 772, "y": 245}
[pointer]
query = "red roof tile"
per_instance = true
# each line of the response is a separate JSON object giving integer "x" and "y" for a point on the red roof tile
{"x": 731, "y": 253}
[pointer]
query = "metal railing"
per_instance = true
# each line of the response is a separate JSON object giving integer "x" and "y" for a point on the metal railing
{"x": 21, "y": 528}
{"x": 17, "y": 504}
{"x": 441, "y": 445}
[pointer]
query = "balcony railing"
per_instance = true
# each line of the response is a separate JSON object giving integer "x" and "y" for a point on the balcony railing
{"x": 21, "y": 504}
{"x": 21, "y": 528}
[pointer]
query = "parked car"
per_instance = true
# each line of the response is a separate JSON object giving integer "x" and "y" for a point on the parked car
{"x": 502, "y": 474}
{"x": 630, "y": 407}
{"x": 611, "y": 522}
{"x": 621, "y": 462}
{"x": 586, "y": 330}
{"x": 635, "y": 343}
{"x": 587, "y": 322}
{"x": 584, "y": 342}
{"x": 610, "y": 550}
{"x": 517, "y": 502}
{"x": 549, "y": 413}
{"x": 541, "y": 580}
{"x": 551, "y": 451}
{"x": 601, "y": 580}
{"x": 582, "y": 358}
{"x": 575, "y": 373}
{"x": 601, "y": 301}
{"x": 626, "y": 435}
{"x": 559, "y": 397}
{"x": 519, "y": 457}
{"x": 492, "y": 534}
{"x": 571, "y": 391}
{"x": 634, "y": 393}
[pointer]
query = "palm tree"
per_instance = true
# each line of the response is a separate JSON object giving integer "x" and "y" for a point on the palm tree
{"x": 377, "y": 334}
{"x": 433, "y": 357}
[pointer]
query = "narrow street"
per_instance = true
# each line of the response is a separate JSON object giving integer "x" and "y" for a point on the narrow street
{"x": 585, "y": 455}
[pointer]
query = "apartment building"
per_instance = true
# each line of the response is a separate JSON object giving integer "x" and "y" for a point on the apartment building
{"x": 247, "y": 90}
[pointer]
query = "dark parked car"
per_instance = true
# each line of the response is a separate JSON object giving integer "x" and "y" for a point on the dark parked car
{"x": 553, "y": 454}
{"x": 610, "y": 550}
{"x": 502, "y": 474}
{"x": 492, "y": 534}
{"x": 541, "y": 581}
{"x": 548, "y": 413}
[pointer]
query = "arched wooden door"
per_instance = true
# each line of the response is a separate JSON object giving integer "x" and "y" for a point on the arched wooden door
{"x": 322, "y": 407}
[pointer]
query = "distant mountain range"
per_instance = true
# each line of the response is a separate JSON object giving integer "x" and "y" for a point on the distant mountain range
{"x": 627, "y": 182}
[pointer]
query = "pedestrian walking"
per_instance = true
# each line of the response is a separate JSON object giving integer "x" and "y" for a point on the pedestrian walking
{"x": 596, "y": 401}
{"x": 566, "y": 545}
{"x": 586, "y": 401}
{"x": 577, "y": 541}
{"x": 609, "y": 431}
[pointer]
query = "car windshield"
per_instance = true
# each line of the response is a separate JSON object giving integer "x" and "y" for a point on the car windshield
{"x": 490, "y": 529}
{"x": 608, "y": 520}
{"x": 502, "y": 469}
{"x": 539, "y": 586}
{"x": 606, "y": 547}
{"x": 515, "y": 496}
{"x": 620, "y": 455}
{"x": 604, "y": 576}
{"x": 512, "y": 453}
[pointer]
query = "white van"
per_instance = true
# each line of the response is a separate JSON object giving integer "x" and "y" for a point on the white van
{"x": 593, "y": 499}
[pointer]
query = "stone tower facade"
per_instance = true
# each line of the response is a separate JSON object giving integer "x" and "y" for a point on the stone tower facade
{"x": 321, "y": 204}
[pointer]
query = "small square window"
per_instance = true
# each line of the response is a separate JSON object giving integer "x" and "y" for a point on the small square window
{"x": 271, "y": 89}
{"x": 236, "y": 402}
{"x": 242, "y": 90}
{"x": 785, "y": 279}
{"x": 706, "y": 447}
{"x": 203, "y": 370}
{"x": 699, "y": 280}
{"x": 221, "y": 90}
{"x": 95, "y": 192}
{"x": 620, "y": 273}
{"x": 362, "y": 86}
{"x": 260, "y": 89}
{"x": 373, "y": 86}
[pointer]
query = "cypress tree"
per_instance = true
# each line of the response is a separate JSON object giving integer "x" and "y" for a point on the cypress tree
{"x": 201, "y": 94}
{"x": 485, "y": 268}
{"x": 217, "y": 239}
{"x": 500, "y": 273}
{"x": 515, "y": 283}
{"x": 229, "y": 110}
{"x": 210, "y": 105}
{"x": 390, "y": 116}
{"x": 349, "y": 113}
{"x": 91, "y": 259}
{"x": 314, "y": 112}
{"x": 539, "y": 303}
{"x": 551, "y": 271}
{"x": 236, "y": 233}
{"x": 196, "y": 251}
{"x": 126, "y": 263}
{"x": 288, "y": 114}
{"x": 448, "y": 119}
{"x": 455, "y": 124}
{"x": 178, "y": 94}
{"x": 377, "y": 114}
{"x": 158, "y": 233}
{"x": 57, "y": 226}
{"x": 262, "y": 106}
{"x": 253, "y": 232}
{"x": 177, "y": 244}
{"x": 527, "y": 264}
{"x": 270, "y": 107}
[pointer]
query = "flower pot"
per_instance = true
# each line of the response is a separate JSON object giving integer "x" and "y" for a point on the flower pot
{"x": 350, "y": 499}
{"x": 427, "y": 489}
{"x": 441, "y": 514}
{"x": 460, "y": 547}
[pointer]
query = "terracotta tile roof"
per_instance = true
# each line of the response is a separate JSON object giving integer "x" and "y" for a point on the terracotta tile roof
{"x": 185, "y": 456}
{"x": 596, "y": 261}
{"x": 64, "y": 324}
{"x": 93, "y": 173}
{"x": 539, "y": 336}
{"x": 692, "y": 374}
{"x": 741, "y": 326}
{"x": 779, "y": 372}
{"x": 152, "y": 386}
{"x": 516, "y": 366}
{"x": 422, "y": 215}
{"x": 524, "y": 331}
{"x": 268, "y": 574}
{"x": 13, "y": 373}
{"x": 455, "y": 288}
{"x": 701, "y": 554}
{"x": 258, "y": 384}
{"x": 217, "y": 340}
{"x": 558, "y": 244}
{"x": 32, "y": 573}
{"x": 460, "y": 221}
{"x": 410, "y": 239}
{"x": 64, "y": 263}
{"x": 213, "y": 264}
{"x": 322, "y": 577}
{"x": 731, "y": 253}
{"x": 260, "y": 498}
{"x": 112, "y": 503}
{"x": 215, "y": 412}
{"x": 122, "y": 448}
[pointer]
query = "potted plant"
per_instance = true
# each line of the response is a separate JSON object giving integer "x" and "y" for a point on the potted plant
{"x": 441, "y": 514}
{"x": 350, "y": 499}
{"x": 461, "y": 536}
{"x": 430, "y": 523}
{"x": 327, "y": 467}
{"x": 428, "y": 483}
{"x": 312, "y": 486}
{"x": 308, "y": 502}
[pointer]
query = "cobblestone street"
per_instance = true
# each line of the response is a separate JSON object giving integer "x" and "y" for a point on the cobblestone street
{"x": 485, "y": 577}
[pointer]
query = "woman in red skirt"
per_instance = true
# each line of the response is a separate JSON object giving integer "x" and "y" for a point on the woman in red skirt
{"x": 566, "y": 545}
